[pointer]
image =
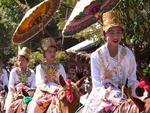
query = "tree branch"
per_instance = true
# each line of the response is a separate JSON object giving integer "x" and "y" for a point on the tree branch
{"x": 24, "y": 7}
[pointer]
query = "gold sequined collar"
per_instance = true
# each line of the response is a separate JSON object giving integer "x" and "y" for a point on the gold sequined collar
{"x": 50, "y": 71}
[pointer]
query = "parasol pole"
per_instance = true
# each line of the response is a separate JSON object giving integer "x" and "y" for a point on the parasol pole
{"x": 19, "y": 48}
{"x": 62, "y": 42}
{"x": 63, "y": 37}
{"x": 43, "y": 27}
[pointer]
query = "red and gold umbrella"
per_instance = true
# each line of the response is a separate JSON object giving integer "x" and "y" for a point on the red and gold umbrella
{"x": 35, "y": 20}
{"x": 85, "y": 13}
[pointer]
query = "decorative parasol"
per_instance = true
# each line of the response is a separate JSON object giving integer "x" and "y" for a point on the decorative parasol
{"x": 85, "y": 13}
{"x": 35, "y": 20}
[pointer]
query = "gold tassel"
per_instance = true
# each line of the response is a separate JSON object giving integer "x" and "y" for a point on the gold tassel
{"x": 123, "y": 91}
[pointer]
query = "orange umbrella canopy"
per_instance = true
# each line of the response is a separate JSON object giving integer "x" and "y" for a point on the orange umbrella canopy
{"x": 35, "y": 20}
{"x": 86, "y": 13}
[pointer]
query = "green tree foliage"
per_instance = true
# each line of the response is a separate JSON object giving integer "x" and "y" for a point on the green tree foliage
{"x": 135, "y": 15}
{"x": 11, "y": 13}
{"x": 69, "y": 3}
{"x": 9, "y": 16}
{"x": 35, "y": 59}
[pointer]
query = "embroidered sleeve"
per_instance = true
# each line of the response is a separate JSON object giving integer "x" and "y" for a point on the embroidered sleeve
{"x": 95, "y": 71}
{"x": 12, "y": 79}
{"x": 33, "y": 79}
{"x": 132, "y": 78}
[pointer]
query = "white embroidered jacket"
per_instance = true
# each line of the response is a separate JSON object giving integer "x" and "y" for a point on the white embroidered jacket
{"x": 127, "y": 69}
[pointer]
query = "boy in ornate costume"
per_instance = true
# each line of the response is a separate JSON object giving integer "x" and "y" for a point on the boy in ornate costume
{"x": 111, "y": 65}
{"x": 21, "y": 77}
{"x": 47, "y": 75}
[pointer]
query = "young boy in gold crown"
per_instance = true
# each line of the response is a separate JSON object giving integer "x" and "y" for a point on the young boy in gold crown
{"x": 47, "y": 75}
{"x": 111, "y": 65}
{"x": 20, "y": 77}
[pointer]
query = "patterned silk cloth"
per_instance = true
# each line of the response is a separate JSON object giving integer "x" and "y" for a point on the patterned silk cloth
{"x": 44, "y": 101}
{"x": 105, "y": 103}
{"x": 48, "y": 102}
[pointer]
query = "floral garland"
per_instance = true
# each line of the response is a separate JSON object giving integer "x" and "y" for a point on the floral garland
{"x": 50, "y": 72}
{"x": 23, "y": 76}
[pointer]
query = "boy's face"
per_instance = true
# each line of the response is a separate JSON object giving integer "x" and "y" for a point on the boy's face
{"x": 114, "y": 35}
{"x": 50, "y": 54}
{"x": 22, "y": 62}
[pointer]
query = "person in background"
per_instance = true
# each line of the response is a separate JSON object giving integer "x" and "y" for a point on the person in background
{"x": 3, "y": 76}
{"x": 9, "y": 67}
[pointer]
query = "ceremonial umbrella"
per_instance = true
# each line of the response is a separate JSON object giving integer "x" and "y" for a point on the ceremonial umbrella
{"x": 85, "y": 13}
{"x": 35, "y": 20}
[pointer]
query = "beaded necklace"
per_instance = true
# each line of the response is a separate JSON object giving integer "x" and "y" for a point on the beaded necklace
{"x": 23, "y": 76}
{"x": 50, "y": 72}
